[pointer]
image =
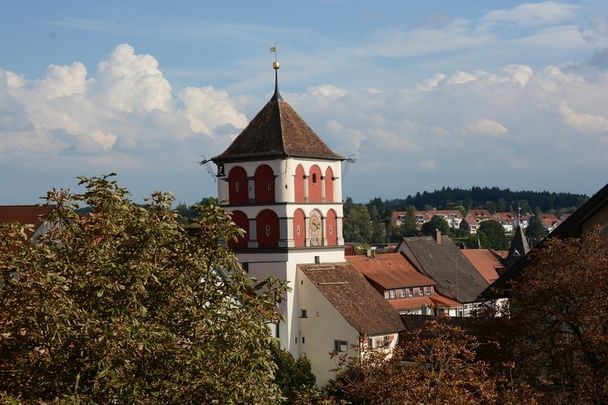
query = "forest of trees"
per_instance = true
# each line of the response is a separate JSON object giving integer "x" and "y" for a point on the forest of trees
{"x": 492, "y": 198}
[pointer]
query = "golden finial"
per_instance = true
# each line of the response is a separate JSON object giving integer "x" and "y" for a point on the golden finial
{"x": 275, "y": 64}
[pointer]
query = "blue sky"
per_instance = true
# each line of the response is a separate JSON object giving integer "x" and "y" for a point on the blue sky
{"x": 422, "y": 94}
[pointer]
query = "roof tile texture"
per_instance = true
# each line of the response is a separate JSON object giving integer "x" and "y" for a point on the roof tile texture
{"x": 389, "y": 270}
{"x": 354, "y": 298}
{"x": 277, "y": 131}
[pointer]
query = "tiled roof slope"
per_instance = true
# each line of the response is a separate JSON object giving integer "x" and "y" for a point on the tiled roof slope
{"x": 486, "y": 261}
{"x": 354, "y": 298}
{"x": 24, "y": 214}
{"x": 389, "y": 270}
{"x": 277, "y": 131}
{"x": 443, "y": 262}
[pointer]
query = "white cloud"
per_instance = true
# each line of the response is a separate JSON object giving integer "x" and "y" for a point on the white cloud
{"x": 131, "y": 82}
{"x": 127, "y": 105}
{"x": 584, "y": 122}
{"x": 531, "y": 14}
{"x": 431, "y": 83}
{"x": 207, "y": 109}
{"x": 487, "y": 127}
{"x": 326, "y": 90}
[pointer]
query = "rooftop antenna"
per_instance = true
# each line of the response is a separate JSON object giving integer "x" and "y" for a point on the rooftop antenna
{"x": 275, "y": 65}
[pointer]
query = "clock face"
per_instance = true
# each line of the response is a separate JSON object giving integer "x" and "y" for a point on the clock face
{"x": 314, "y": 228}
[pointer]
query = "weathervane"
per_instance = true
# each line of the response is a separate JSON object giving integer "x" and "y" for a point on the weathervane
{"x": 275, "y": 66}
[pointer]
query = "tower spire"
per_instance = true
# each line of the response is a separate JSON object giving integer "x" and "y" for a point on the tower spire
{"x": 275, "y": 65}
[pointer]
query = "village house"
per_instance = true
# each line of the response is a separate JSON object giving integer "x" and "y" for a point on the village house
{"x": 438, "y": 258}
{"x": 406, "y": 289}
{"x": 340, "y": 312}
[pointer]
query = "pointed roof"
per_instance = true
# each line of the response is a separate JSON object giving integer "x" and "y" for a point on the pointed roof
{"x": 519, "y": 246}
{"x": 277, "y": 131}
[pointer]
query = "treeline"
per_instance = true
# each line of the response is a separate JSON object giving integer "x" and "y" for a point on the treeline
{"x": 492, "y": 198}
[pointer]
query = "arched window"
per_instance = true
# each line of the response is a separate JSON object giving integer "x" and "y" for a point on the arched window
{"x": 314, "y": 184}
{"x": 329, "y": 185}
{"x": 240, "y": 219}
{"x": 298, "y": 185}
{"x": 299, "y": 228}
{"x": 331, "y": 228}
{"x": 237, "y": 186}
{"x": 267, "y": 226}
{"x": 264, "y": 185}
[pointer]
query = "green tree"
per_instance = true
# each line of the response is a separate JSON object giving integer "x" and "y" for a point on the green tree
{"x": 408, "y": 223}
{"x": 492, "y": 235}
{"x": 294, "y": 377}
{"x": 436, "y": 223}
{"x": 125, "y": 306}
{"x": 358, "y": 225}
{"x": 535, "y": 231}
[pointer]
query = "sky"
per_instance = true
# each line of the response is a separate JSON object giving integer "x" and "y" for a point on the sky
{"x": 420, "y": 94}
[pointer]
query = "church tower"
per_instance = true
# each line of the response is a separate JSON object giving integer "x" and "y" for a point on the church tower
{"x": 283, "y": 185}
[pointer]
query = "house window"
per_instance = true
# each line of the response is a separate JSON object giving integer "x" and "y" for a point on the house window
{"x": 303, "y": 315}
{"x": 417, "y": 292}
{"x": 402, "y": 293}
{"x": 386, "y": 295}
{"x": 245, "y": 267}
{"x": 408, "y": 292}
{"x": 314, "y": 178}
{"x": 427, "y": 290}
{"x": 340, "y": 346}
{"x": 303, "y": 340}
{"x": 392, "y": 292}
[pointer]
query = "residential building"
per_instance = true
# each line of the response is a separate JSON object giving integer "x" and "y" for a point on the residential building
{"x": 470, "y": 224}
{"x": 406, "y": 289}
{"x": 340, "y": 312}
{"x": 438, "y": 258}
{"x": 486, "y": 261}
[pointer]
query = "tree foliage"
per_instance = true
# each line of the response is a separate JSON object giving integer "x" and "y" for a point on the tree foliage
{"x": 555, "y": 328}
{"x": 358, "y": 226}
{"x": 436, "y": 223}
{"x": 535, "y": 231}
{"x": 492, "y": 235}
{"x": 125, "y": 306}
{"x": 434, "y": 365}
{"x": 294, "y": 377}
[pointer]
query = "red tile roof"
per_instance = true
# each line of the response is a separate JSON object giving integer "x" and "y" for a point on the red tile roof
{"x": 24, "y": 215}
{"x": 389, "y": 270}
{"x": 354, "y": 298}
{"x": 485, "y": 261}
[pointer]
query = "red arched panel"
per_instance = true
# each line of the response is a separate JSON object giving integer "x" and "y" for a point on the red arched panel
{"x": 237, "y": 186}
{"x": 298, "y": 184}
{"x": 314, "y": 184}
{"x": 331, "y": 228}
{"x": 267, "y": 224}
{"x": 299, "y": 228}
{"x": 264, "y": 185}
{"x": 241, "y": 220}
{"x": 329, "y": 185}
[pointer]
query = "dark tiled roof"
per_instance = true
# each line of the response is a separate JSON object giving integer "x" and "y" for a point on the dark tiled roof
{"x": 354, "y": 298}
{"x": 572, "y": 227}
{"x": 24, "y": 215}
{"x": 389, "y": 270}
{"x": 277, "y": 131}
{"x": 454, "y": 274}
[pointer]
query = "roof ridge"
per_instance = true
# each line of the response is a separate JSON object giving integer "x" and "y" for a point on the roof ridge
{"x": 281, "y": 129}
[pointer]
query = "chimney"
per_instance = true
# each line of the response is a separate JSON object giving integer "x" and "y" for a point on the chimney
{"x": 437, "y": 236}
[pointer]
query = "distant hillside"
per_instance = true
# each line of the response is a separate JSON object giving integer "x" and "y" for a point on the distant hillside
{"x": 493, "y": 198}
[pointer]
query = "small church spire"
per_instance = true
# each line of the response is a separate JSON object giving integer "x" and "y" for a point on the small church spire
{"x": 275, "y": 66}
